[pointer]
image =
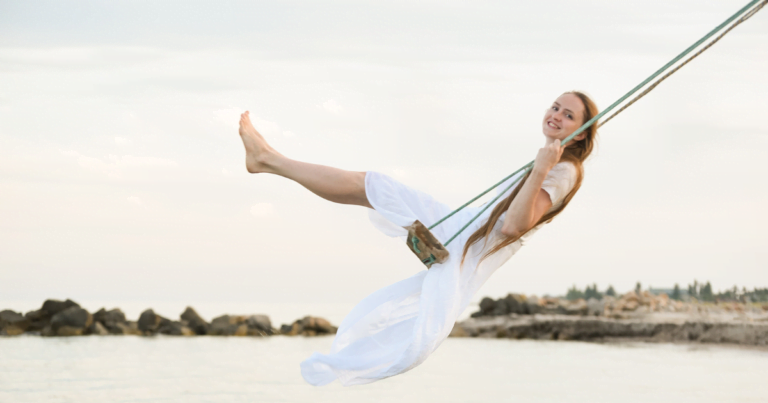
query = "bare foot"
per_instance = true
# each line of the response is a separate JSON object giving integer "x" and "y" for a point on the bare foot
{"x": 257, "y": 151}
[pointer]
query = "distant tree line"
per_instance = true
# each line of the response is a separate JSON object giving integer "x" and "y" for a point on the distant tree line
{"x": 590, "y": 292}
{"x": 702, "y": 292}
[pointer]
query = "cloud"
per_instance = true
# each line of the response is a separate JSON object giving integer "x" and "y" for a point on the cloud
{"x": 270, "y": 129}
{"x": 86, "y": 57}
{"x": 263, "y": 210}
{"x": 113, "y": 165}
{"x": 135, "y": 200}
{"x": 230, "y": 117}
{"x": 332, "y": 107}
{"x": 132, "y": 161}
{"x": 121, "y": 141}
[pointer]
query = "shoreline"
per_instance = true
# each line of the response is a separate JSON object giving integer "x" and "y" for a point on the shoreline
{"x": 602, "y": 329}
{"x": 640, "y": 317}
{"x": 632, "y": 317}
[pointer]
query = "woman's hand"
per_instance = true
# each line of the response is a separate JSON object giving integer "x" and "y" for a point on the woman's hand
{"x": 548, "y": 157}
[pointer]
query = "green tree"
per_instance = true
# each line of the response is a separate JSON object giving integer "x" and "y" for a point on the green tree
{"x": 693, "y": 289}
{"x": 592, "y": 292}
{"x": 574, "y": 293}
{"x": 610, "y": 291}
{"x": 676, "y": 292}
{"x": 706, "y": 293}
{"x": 638, "y": 288}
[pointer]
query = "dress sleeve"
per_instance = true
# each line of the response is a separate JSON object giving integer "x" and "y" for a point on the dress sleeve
{"x": 559, "y": 181}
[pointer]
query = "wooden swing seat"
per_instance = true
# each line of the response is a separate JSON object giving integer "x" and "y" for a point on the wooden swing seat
{"x": 424, "y": 245}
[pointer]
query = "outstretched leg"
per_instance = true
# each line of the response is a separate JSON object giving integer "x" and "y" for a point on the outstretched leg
{"x": 336, "y": 185}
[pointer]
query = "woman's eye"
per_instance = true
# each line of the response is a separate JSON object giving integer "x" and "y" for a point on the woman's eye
{"x": 554, "y": 108}
{"x": 569, "y": 116}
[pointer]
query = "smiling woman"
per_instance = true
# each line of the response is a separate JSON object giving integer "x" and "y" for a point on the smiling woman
{"x": 117, "y": 166}
{"x": 567, "y": 113}
{"x": 396, "y": 328}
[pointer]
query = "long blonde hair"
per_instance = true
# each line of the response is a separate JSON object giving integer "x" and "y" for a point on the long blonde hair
{"x": 576, "y": 152}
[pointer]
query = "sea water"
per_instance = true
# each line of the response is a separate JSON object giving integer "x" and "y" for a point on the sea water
{"x": 252, "y": 369}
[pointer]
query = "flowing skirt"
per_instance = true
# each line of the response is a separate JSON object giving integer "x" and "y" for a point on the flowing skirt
{"x": 397, "y": 327}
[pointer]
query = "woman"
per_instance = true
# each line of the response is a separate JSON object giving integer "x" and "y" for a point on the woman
{"x": 398, "y": 327}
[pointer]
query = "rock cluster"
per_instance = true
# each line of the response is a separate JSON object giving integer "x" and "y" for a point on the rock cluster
{"x": 308, "y": 326}
{"x": 68, "y": 318}
{"x": 634, "y": 316}
{"x": 627, "y": 306}
{"x": 563, "y": 327}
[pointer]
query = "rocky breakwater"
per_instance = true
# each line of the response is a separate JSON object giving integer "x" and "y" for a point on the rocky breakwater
{"x": 639, "y": 317}
{"x": 68, "y": 318}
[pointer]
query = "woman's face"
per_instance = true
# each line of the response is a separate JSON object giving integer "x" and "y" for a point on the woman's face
{"x": 563, "y": 118}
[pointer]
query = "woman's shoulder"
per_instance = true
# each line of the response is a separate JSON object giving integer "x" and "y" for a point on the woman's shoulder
{"x": 565, "y": 172}
{"x": 560, "y": 180}
{"x": 566, "y": 168}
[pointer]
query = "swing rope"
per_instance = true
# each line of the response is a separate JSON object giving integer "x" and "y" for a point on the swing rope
{"x": 748, "y": 11}
{"x": 673, "y": 71}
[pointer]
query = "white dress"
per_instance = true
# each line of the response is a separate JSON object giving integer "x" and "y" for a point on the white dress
{"x": 397, "y": 327}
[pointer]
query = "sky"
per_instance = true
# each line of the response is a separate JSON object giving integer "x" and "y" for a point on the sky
{"x": 122, "y": 176}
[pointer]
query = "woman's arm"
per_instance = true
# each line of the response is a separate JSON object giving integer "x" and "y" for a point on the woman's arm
{"x": 532, "y": 201}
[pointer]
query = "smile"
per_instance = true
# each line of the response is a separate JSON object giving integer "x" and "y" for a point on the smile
{"x": 552, "y": 125}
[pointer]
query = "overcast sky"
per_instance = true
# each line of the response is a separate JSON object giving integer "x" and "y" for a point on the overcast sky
{"x": 122, "y": 175}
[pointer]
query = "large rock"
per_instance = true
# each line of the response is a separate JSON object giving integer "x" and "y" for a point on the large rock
{"x": 293, "y": 329}
{"x": 54, "y": 306}
{"x": 228, "y": 325}
{"x": 595, "y": 307}
{"x": 630, "y": 302}
{"x": 195, "y": 321}
{"x": 511, "y": 304}
{"x": 259, "y": 325}
{"x": 533, "y": 306}
{"x": 319, "y": 325}
{"x": 487, "y": 306}
{"x": 38, "y": 320}
{"x": 110, "y": 320}
{"x": 73, "y": 321}
{"x": 98, "y": 329}
{"x": 500, "y": 307}
{"x": 128, "y": 328}
{"x": 308, "y": 326}
{"x": 578, "y": 307}
{"x": 12, "y": 323}
{"x": 516, "y": 303}
{"x": 41, "y": 318}
{"x": 150, "y": 322}
{"x": 175, "y": 328}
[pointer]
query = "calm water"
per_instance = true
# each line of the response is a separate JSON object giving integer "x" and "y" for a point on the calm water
{"x": 208, "y": 369}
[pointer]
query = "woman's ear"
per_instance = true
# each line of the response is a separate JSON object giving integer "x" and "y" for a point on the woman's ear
{"x": 581, "y": 136}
